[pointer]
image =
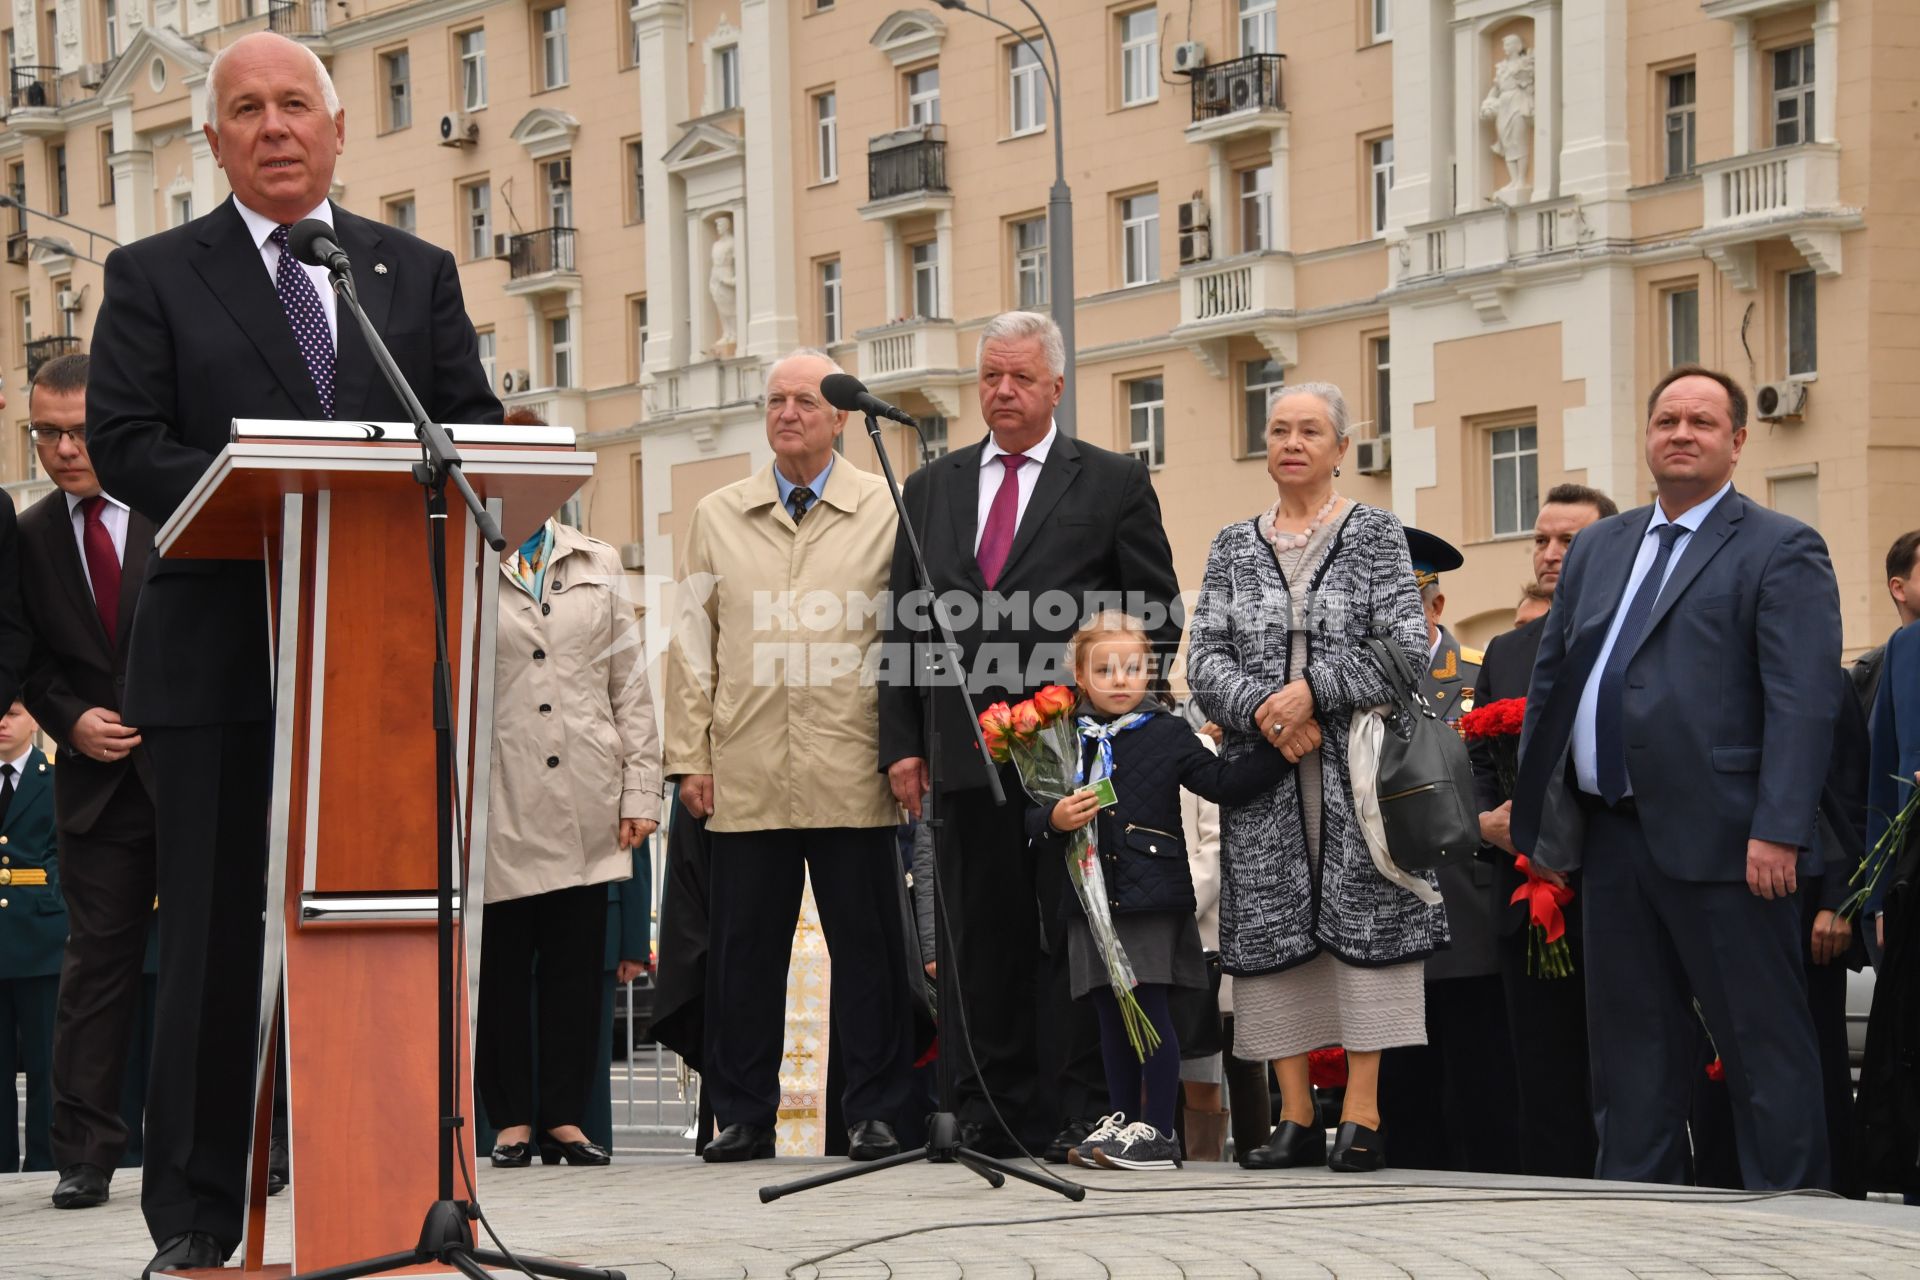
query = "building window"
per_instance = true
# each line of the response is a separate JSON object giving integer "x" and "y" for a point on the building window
{"x": 1140, "y": 57}
{"x": 22, "y": 326}
{"x": 923, "y": 96}
{"x": 636, "y": 182}
{"x": 180, "y": 208}
{"x": 1259, "y": 33}
{"x": 1256, "y": 209}
{"x": 1147, "y": 420}
{"x": 484, "y": 344}
{"x": 553, "y": 46}
{"x": 110, "y": 27}
{"x": 926, "y": 279}
{"x": 1140, "y": 238}
{"x": 556, "y": 179}
{"x": 831, "y": 330}
{"x": 1030, "y": 265}
{"x": 560, "y": 347}
{"x": 1380, "y": 163}
{"x": 477, "y": 205}
{"x": 1515, "y": 456}
{"x": 826, "y": 134}
{"x": 1028, "y": 85}
{"x": 726, "y": 77}
{"x": 1802, "y": 326}
{"x": 933, "y": 433}
{"x": 630, "y": 39}
{"x": 472, "y": 46}
{"x": 17, "y": 188}
{"x": 1796, "y": 494}
{"x": 1680, "y": 122}
{"x": 1683, "y": 327}
{"x": 1793, "y": 95}
{"x": 403, "y": 214}
{"x": 396, "y": 75}
{"x": 1382, "y": 387}
{"x": 1259, "y": 379}
{"x": 107, "y": 187}
{"x": 637, "y": 322}
{"x": 1382, "y": 19}
{"x": 57, "y": 163}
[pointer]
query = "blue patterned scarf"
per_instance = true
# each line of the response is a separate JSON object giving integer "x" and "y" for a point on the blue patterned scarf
{"x": 1101, "y": 734}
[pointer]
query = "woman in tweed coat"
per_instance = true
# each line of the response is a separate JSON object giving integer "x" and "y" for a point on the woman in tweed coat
{"x": 1324, "y": 949}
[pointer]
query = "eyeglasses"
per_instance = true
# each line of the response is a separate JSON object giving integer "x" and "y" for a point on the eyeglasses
{"x": 50, "y": 437}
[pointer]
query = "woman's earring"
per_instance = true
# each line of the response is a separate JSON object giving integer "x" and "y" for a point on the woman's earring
{"x": 1336, "y": 473}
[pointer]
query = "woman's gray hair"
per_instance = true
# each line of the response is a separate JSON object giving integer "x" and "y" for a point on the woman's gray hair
{"x": 328, "y": 94}
{"x": 1329, "y": 396}
{"x": 1019, "y": 326}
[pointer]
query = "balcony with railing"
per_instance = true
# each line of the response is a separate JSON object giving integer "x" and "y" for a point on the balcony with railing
{"x": 917, "y": 354}
{"x": 1784, "y": 193}
{"x": 1237, "y": 97}
{"x": 907, "y": 172}
{"x": 41, "y": 350}
{"x": 33, "y": 101}
{"x": 1247, "y": 296}
{"x": 541, "y": 260}
{"x": 27, "y": 492}
{"x": 300, "y": 19}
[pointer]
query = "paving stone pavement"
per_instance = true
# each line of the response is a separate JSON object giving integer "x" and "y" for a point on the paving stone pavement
{"x": 664, "y": 1217}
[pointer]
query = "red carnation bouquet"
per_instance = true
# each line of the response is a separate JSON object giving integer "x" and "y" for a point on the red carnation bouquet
{"x": 1497, "y": 726}
{"x": 1038, "y": 735}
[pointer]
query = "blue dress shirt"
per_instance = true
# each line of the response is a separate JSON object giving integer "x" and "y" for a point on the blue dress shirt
{"x": 819, "y": 486}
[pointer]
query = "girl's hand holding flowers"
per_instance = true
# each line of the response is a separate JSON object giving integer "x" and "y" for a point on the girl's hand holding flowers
{"x": 1075, "y": 811}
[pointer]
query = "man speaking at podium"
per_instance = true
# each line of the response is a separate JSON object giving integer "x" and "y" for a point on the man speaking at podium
{"x": 208, "y": 322}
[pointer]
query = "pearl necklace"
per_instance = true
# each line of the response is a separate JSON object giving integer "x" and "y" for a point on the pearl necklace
{"x": 1284, "y": 542}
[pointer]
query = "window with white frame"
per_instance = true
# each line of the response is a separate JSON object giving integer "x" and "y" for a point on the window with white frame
{"x": 1380, "y": 167}
{"x": 1382, "y": 350}
{"x": 484, "y": 343}
{"x": 553, "y": 47}
{"x": 1259, "y": 31}
{"x": 1140, "y": 56}
{"x": 726, "y": 77}
{"x": 1514, "y": 457}
{"x": 1381, "y": 13}
{"x": 933, "y": 430}
{"x": 826, "y": 135}
{"x": 181, "y": 208}
{"x": 110, "y": 22}
{"x": 1683, "y": 327}
{"x": 1802, "y": 325}
{"x": 1140, "y": 238}
{"x": 636, "y": 181}
{"x": 1680, "y": 122}
{"x": 1256, "y": 209}
{"x": 1259, "y": 379}
{"x": 923, "y": 96}
{"x": 1793, "y": 95}
{"x": 830, "y": 313}
{"x": 1147, "y": 420}
{"x": 396, "y": 75}
{"x": 556, "y": 176}
{"x": 632, "y": 29}
{"x": 472, "y": 46}
{"x": 926, "y": 279}
{"x": 560, "y": 348}
{"x": 1030, "y": 264}
{"x": 1028, "y": 85}
{"x": 477, "y": 207}
{"x": 403, "y": 214}
{"x": 637, "y": 322}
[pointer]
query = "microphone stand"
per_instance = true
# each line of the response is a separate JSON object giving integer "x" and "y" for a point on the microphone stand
{"x": 943, "y": 1126}
{"x": 446, "y": 1235}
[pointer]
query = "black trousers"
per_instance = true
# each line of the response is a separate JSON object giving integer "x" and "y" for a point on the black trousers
{"x": 756, "y": 881}
{"x": 212, "y": 788}
{"x": 563, "y": 936}
{"x": 1655, "y": 945}
{"x": 1547, "y": 1018}
{"x": 107, "y": 877}
{"x": 1249, "y": 1096}
{"x": 1447, "y": 1104}
{"x": 26, "y": 1048}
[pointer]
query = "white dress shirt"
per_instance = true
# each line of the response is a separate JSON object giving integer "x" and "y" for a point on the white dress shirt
{"x": 262, "y": 227}
{"x": 993, "y": 473}
{"x": 1586, "y": 770}
{"x": 113, "y": 514}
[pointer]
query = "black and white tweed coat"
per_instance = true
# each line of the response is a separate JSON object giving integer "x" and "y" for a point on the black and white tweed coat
{"x": 1274, "y": 913}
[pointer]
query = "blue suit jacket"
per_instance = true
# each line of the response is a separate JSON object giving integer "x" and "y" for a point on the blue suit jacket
{"x": 1895, "y": 737}
{"x": 1729, "y": 700}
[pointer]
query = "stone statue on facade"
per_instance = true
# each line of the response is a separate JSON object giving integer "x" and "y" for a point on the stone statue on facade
{"x": 1509, "y": 104}
{"x": 721, "y": 285}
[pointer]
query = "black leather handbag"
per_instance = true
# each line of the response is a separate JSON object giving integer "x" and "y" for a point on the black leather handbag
{"x": 1424, "y": 782}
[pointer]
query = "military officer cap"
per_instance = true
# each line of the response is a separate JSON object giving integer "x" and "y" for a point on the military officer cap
{"x": 1432, "y": 556}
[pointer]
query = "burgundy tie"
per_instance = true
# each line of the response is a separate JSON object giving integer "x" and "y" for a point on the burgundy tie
{"x": 103, "y": 566}
{"x": 1002, "y": 518}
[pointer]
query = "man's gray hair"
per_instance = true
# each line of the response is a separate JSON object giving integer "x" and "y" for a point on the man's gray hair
{"x": 799, "y": 353}
{"x": 1329, "y": 396}
{"x": 328, "y": 94}
{"x": 1019, "y": 326}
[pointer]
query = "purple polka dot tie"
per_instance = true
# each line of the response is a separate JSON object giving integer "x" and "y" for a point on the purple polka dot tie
{"x": 308, "y": 318}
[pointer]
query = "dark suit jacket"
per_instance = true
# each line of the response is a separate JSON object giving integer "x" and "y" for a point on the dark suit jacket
{"x": 1091, "y": 531}
{"x": 33, "y": 918}
{"x": 16, "y": 644}
{"x": 76, "y": 665}
{"x": 191, "y": 335}
{"x": 1729, "y": 700}
{"x": 1895, "y": 749}
{"x": 1505, "y": 673}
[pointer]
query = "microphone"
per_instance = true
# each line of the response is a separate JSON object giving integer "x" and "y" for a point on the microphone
{"x": 844, "y": 391}
{"x": 312, "y": 242}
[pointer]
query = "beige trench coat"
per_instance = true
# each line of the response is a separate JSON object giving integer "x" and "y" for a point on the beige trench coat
{"x": 767, "y": 684}
{"x": 576, "y": 747}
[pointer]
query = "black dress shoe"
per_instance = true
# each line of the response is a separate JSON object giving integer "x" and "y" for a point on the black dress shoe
{"x": 190, "y": 1249}
{"x": 279, "y": 1165}
{"x": 1067, "y": 1139}
{"x": 1292, "y": 1146}
{"x": 740, "y": 1142}
{"x": 1358, "y": 1149}
{"x": 513, "y": 1155}
{"x": 995, "y": 1141}
{"x": 82, "y": 1187}
{"x": 872, "y": 1140}
{"x": 553, "y": 1151}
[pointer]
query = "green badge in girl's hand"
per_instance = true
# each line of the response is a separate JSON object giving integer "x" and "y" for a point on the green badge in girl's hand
{"x": 1104, "y": 789}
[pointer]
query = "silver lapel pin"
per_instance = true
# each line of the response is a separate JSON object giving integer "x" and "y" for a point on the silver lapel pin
{"x": 379, "y": 268}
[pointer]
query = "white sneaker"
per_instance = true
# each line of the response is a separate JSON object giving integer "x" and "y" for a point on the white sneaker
{"x": 1139, "y": 1146}
{"x": 1109, "y": 1128}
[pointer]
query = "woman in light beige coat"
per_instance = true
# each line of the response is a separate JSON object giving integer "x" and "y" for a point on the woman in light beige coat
{"x": 575, "y": 784}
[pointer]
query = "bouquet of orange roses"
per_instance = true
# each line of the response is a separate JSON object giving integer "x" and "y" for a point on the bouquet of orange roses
{"x": 1039, "y": 737}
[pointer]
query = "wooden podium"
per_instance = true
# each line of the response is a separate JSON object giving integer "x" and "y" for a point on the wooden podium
{"x": 334, "y": 513}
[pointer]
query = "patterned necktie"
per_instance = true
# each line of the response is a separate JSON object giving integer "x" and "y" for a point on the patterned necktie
{"x": 799, "y": 501}
{"x": 1609, "y": 711}
{"x": 308, "y": 318}
{"x": 996, "y": 540}
{"x": 103, "y": 566}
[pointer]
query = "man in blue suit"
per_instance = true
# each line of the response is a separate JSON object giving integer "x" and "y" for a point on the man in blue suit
{"x": 1676, "y": 743}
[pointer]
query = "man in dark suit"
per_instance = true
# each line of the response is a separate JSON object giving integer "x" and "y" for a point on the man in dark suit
{"x": 1039, "y": 530}
{"x": 1678, "y": 727}
{"x": 83, "y": 556}
{"x": 207, "y": 322}
{"x": 1546, "y": 1017}
{"x": 32, "y": 926}
{"x": 1903, "y": 586}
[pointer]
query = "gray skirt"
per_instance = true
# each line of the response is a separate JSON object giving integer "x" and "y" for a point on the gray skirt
{"x": 1327, "y": 1002}
{"x": 1162, "y": 946}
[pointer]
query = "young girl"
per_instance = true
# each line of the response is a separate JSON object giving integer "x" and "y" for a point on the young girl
{"x": 1149, "y": 754}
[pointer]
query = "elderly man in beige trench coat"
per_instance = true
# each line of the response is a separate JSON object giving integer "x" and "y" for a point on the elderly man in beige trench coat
{"x": 772, "y": 717}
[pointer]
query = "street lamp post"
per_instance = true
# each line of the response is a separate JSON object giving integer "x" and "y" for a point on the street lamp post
{"x": 1059, "y": 208}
